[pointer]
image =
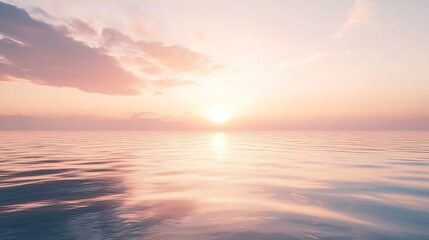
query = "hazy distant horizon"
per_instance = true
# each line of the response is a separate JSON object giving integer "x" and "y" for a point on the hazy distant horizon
{"x": 22, "y": 122}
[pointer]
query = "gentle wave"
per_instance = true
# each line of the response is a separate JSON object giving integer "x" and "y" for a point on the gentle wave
{"x": 213, "y": 185}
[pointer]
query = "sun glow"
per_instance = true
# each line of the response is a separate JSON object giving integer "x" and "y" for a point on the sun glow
{"x": 218, "y": 113}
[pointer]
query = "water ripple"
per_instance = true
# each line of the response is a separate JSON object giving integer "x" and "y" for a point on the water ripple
{"x": 205, "y": 185}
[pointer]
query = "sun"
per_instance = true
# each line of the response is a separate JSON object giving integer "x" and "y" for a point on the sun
{"x": 219, "y": 114}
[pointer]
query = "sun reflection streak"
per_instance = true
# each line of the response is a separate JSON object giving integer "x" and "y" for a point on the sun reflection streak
{"x": 218, "y": 145}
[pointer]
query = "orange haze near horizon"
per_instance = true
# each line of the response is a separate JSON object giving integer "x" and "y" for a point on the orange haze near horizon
{"x": 231, "y": 65}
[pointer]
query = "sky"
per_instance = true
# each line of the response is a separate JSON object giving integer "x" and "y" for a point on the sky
{"x": 164, "y": 64}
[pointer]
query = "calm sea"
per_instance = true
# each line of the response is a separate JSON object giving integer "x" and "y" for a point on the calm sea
{"x": 214, "y": 185}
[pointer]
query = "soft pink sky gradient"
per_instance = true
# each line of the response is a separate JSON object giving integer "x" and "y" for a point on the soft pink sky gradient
{"x": 330, "y": 64}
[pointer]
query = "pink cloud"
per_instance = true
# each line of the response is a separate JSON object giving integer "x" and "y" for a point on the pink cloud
{"x": 175, "y": 58}
{"x": 48, "y": 57}
{"x": 44, "y": 54}
{"x": 82, "y": 27}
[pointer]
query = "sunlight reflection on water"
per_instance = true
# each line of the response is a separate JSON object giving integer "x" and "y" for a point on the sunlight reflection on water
{"x": 214, "y": 185}
{"x": 218, "y": 144}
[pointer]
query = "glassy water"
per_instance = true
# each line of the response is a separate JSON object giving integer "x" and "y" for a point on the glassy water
{"x": 208, "y": 185}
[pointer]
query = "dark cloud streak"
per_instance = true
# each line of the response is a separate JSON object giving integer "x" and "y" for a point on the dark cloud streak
{"x": 151, "y": 121}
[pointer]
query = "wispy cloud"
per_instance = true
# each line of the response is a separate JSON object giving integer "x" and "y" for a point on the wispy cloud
{"x": 169, "y": 83}
{"x": 141, "y": 114}
{"x": 362, "y": 13}
{"x": 171, "y": 58}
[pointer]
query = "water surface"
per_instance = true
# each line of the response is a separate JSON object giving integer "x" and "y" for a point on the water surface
{"x": 213, "y": 185}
